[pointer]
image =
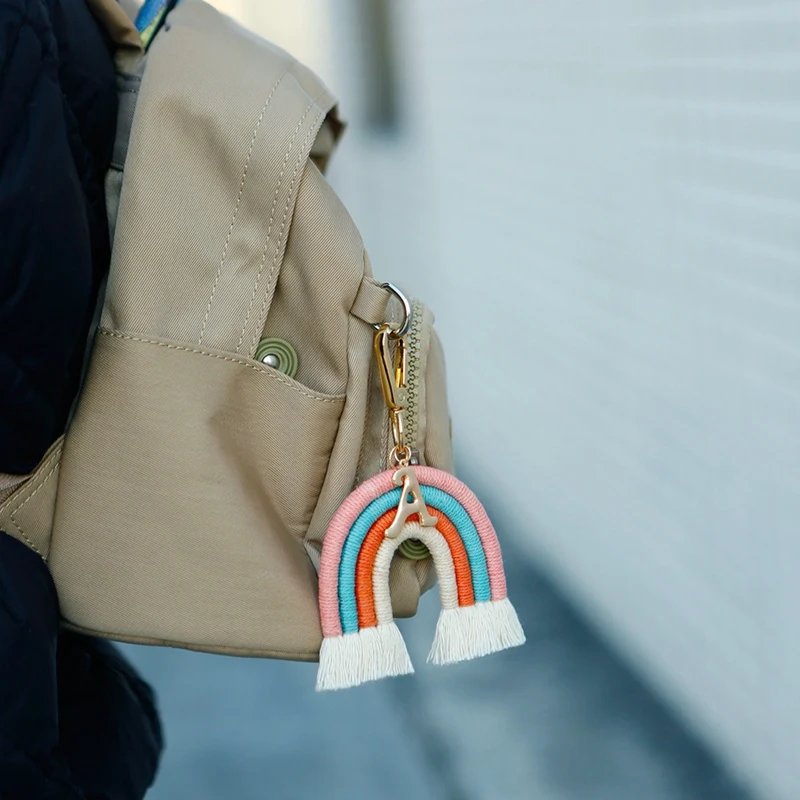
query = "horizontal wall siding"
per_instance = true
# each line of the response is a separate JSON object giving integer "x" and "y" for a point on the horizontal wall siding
{"x": 602, "y": 203}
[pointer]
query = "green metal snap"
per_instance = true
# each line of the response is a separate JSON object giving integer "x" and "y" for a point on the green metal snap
{"x": 414, "y": 549}
{"x": 278, "y": 354}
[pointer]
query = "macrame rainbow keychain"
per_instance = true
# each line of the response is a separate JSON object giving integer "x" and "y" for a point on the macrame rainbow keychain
{"x": 361, "y": 640}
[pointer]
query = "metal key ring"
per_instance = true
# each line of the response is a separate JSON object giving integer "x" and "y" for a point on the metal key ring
{"x": 404, "y": 326}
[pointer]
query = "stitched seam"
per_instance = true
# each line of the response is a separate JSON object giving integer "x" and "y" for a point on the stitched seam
{"x": 27, "y": 540}
{"x": 253, "y": 366}
{"x": 236, "y": 207}
{"x": 271, "y": 220}
{"x": 53, "y": 456}
{"x": 311, "y": 655}
{"x": 27, "y": 500}
{"x": 362, "y": 453}
{"x": 300, "y": 159}
{"x": 363, "y": 449}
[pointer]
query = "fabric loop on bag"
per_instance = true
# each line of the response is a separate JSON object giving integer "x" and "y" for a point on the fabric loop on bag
{"x": 371, "y": 302}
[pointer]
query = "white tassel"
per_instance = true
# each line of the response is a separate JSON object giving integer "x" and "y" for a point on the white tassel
{"x": 472, "y": 631}
{"x": 366, "y": 655}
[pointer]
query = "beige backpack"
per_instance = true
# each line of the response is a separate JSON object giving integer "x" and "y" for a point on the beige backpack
{"x": 187, "y": 503}
{"x": 232, "y": 401}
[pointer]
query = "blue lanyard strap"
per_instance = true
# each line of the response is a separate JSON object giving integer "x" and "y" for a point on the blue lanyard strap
{"x": 150, "y": 18}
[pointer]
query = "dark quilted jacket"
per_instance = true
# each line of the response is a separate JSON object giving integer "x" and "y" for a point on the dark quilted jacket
{"x": 75, "y": 719}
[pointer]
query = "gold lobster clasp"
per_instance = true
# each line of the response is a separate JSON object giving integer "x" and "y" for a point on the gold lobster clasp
{"x": 392, "y": 374}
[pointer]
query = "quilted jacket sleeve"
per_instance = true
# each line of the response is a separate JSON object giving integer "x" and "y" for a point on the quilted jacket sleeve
{"x": 57, "y": 117}
{"x": 76, "y": 721}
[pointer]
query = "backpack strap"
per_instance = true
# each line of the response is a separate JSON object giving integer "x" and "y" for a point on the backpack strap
{"x": 118, "y": 26}
{"x": 223, "y": 128}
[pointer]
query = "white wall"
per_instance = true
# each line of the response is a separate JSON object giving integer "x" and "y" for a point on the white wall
{"x": 601, "y": 201}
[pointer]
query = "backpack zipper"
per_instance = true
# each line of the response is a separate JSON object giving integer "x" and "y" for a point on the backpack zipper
{"x": 400, "y": 367}
{"x": 414, "y": 379}
{"x": 413, "y": 548}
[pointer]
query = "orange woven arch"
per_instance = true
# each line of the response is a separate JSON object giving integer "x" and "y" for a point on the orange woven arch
{"x": 365, "y": 566}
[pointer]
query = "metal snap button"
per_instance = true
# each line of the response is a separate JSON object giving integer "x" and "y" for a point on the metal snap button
{"x": 278, "y": 354}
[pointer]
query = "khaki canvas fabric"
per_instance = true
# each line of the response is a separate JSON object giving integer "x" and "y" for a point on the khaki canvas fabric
{"x": 117, "y": 23}
{"x": 189, "y": 499}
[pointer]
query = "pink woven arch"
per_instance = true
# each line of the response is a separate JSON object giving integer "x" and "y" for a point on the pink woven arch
{"x": 371, "y": 490}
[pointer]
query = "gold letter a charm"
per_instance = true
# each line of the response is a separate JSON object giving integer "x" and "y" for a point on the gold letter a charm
{"x": 406, "y": 477}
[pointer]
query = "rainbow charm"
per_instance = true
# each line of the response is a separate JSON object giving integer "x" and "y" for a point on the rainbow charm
{"x": 361, "y": 640}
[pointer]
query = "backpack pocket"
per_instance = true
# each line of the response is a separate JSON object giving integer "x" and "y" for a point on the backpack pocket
{"x": 188, "y": 480}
